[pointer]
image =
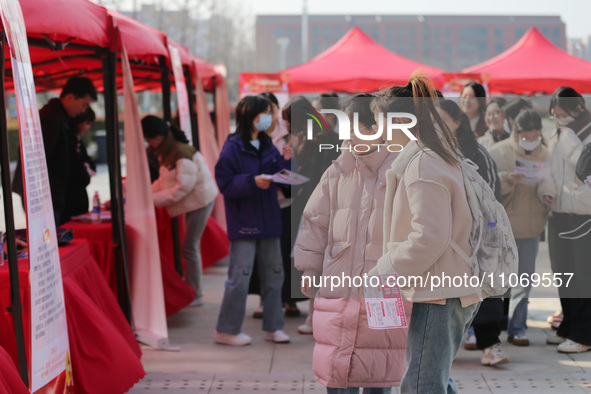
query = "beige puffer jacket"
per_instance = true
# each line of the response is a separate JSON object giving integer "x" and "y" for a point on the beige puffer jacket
{"x": 425, "y": 208}
{"x": 341, "y": 234}
{"x": 186, "y": 188}
{"x": 523, "y": 202}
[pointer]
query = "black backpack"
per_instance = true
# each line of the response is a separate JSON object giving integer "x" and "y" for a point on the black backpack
{"x": 583, "y": 169}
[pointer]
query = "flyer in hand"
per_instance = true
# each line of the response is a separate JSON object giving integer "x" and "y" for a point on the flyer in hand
{"x": 383, "y": 304}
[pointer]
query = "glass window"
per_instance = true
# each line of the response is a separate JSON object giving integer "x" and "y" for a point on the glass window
{"x": 426, "y": 48}
{"x": 390, "y": 31}
{"x": 290, "y": 32}
{"x": 412, "y": 47}
{"x": 473, "y": 32}
{"x": 316, "y": 32}
{"x": 520, "y": 32}
{"x": 498, "y": 33}
{"x": 401, "y": 32}
{"x": 373, "y": 32}
{"x": 327, "y": 32}
{"x": 498, "y": 47}
{"x": 426, "y": 31}
{"x": 556, "y": 33}
{"x": 472, "y": 47}
{"x": 448, "y": 47}
{"x": 279, "y": 32}
{"x": 437, "y": 32}
{"x": 436, "y": 47}
{"x": 401, "y": 47}
{"x": 546, "y": 32}
{"x": 412, "y": 32}
{"x": 448, "y": 32}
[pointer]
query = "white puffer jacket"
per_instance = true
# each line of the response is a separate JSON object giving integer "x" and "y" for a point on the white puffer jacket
{"x": 572, "y": 195}
{"x": 186, "y": 188}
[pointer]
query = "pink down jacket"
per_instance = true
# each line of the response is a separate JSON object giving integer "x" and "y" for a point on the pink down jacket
{"x": 341, "y": 234}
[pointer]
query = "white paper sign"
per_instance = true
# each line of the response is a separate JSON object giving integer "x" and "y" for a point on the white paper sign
{"x": 384, "y": 305}
{"x": 182, "y": 97}
{"x": 533, "y": 171}
{"x": 287, "y": 177}
{"x": 49, "y": 330}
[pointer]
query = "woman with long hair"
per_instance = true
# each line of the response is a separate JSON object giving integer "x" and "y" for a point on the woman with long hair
{"x": 185, "y": 187}
{"x": 473, "y": 104}
{"x": 244, "y": 175}
{"x": 424, "y": 191}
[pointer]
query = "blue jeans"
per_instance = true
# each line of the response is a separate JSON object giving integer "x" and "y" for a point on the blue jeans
{"x": 270, "y": 267}
{"x": 435, "y": 334}
{"x": 528, "y": 251}
{"x": 195, "y": 222}
{"x": 355, "y": 390}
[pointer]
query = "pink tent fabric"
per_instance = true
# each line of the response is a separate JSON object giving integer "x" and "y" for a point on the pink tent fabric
{"x": 356, "y": 63}
{"x": 535, "y": 65}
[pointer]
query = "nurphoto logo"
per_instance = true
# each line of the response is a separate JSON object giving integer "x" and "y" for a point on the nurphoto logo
{"x": 344, "y": 128}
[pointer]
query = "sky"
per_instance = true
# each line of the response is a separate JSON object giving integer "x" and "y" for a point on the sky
{"x": 575, "y": 13}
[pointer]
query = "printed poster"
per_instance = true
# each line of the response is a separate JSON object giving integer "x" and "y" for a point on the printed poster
{"x": 50, "y": 354}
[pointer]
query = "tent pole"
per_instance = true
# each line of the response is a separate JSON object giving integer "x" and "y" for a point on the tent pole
{"x": 16, "y": 308}
{"x": 176, "y": 239}
{"x": 215, "y": 104}
{"x": 113, "y": 158}
{"x": 192, "y": 111}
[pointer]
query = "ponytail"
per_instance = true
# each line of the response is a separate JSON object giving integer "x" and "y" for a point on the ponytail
{"x": 178, "y": 134}
{"x": 424, "y": 97}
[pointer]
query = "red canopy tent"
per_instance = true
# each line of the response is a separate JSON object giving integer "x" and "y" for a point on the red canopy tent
{"x": 356, "y": 63}
{"x": 66, "y": 40}
{"x": 535, "y": 65}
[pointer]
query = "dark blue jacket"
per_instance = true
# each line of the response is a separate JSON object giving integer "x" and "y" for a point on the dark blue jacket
{"x": 251, "y": 213}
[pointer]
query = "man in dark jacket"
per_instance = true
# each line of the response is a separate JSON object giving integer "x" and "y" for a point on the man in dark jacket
{"x": 76, "y": 96}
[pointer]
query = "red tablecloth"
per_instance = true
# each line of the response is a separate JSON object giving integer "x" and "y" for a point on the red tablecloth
{"x": 177, "y": 293}
{"x": 214, "y": 241}
{"x": 105, "y": 354}
{"x": 10, "y": 380}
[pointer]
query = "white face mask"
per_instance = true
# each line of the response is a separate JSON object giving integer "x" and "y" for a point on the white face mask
{"x": 564, "y": 121}
{"x": 529, "y": 145}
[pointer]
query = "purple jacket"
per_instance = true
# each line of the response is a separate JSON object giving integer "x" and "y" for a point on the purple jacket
{"x": 251, "y": 213}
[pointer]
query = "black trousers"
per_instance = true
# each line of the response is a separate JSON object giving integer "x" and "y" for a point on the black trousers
{"x": 487, "y": 323}
{"x": 572, "y": 256}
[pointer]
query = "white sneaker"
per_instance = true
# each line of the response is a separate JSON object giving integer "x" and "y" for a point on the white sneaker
{"x": 305, "y": 329}
{"x": 555, "y": 340}
{"x": 196, "y": 302}
{"x": 494, "y": 355}
{"x": 276, "y": 336}
{"x": 569, "y": 346}
{"x": 232, "y": 340}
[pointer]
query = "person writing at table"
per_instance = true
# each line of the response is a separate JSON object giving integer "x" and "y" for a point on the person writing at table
{"x": 55, "y": 116}
{"x": 185, "y": 187}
